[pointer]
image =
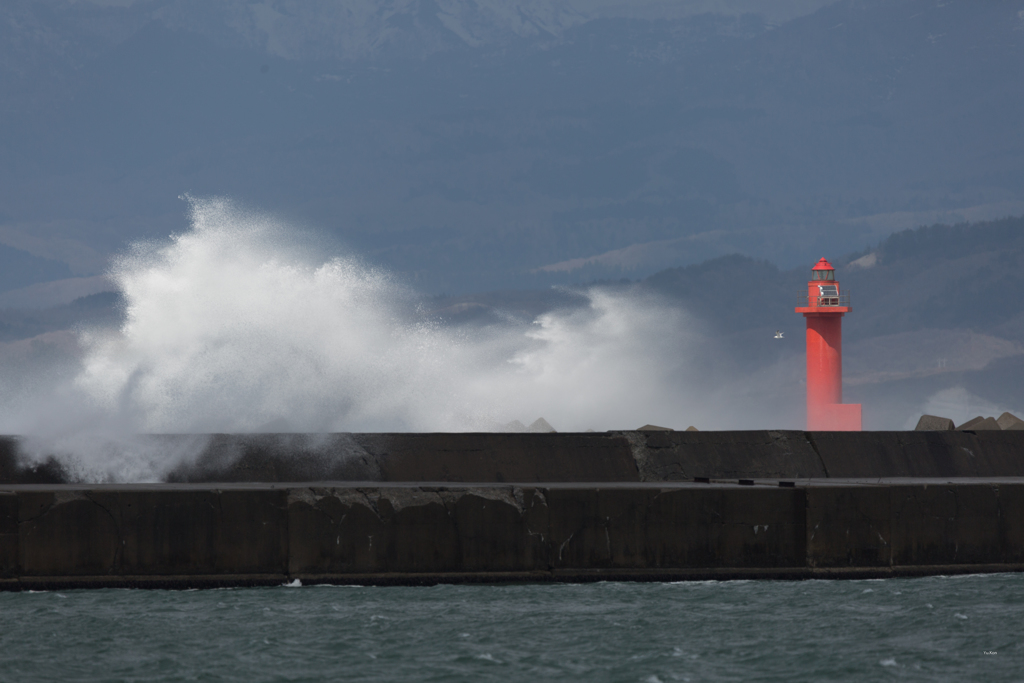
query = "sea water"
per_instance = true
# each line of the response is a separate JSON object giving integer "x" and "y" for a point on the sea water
{"x": 938, "y": 628}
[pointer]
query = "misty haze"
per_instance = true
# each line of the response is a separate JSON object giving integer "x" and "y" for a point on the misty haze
{"x": 405, "y": 215}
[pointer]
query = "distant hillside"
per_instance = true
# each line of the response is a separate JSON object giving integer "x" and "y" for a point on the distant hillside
{"x": 100, "y": 309}
{"x": 968, "y": 276}
{"x": 19, "y": 268}
{"x": 733, "y": 293}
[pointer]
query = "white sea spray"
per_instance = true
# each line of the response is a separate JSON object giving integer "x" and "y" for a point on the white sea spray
{"x": 242, "y": 324}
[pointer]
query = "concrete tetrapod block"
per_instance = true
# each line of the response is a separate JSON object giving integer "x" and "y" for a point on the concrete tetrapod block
{"x": 1009, "y": 421}
{"x": 979, "y": 423}
{"x": 933, "y": 423}
{"x": 540, "y": 425}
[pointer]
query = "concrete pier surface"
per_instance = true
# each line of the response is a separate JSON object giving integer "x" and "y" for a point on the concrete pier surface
{"x": 431, "y": 508}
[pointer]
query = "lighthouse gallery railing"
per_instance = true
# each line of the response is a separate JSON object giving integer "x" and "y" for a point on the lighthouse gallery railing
{"x": 841, "y": 300}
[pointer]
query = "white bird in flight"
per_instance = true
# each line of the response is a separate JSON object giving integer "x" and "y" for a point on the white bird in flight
{"x": 778, "y": 335}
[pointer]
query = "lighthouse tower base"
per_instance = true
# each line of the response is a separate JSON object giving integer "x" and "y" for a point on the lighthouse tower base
{"x": 834, "y": 417}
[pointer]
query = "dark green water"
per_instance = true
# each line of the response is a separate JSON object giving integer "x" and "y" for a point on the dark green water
{"x": 935, "y": 628}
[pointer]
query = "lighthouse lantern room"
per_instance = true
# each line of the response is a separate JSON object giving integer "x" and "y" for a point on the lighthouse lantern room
{"x": 824, "y": 308}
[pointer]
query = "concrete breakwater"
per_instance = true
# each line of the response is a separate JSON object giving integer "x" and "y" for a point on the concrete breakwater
{"x": 182, "y": 535}
{"x": 594, "y": 457}
{"x": 427, "y": 508}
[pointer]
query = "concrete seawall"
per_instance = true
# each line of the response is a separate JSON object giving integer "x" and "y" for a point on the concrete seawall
{"x": 182, "y": 535}
{"x": 601, "y": 457}
{"x": 427, "y": 508}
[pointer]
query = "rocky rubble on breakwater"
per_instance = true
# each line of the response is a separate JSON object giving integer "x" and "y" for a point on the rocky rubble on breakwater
{"x": 1006, "y": 421}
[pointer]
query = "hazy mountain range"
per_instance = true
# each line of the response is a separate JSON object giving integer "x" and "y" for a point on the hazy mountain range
{"x": 471, "y": 145}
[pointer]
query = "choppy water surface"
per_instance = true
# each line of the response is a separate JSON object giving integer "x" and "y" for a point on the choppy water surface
{"x": 939, "y": 628}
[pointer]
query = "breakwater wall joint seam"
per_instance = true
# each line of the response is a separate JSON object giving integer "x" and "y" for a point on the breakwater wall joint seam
{"x": 175, "y": 536}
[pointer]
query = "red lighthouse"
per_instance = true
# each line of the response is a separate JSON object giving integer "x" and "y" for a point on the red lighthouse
{"x": 824, "y": 311}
